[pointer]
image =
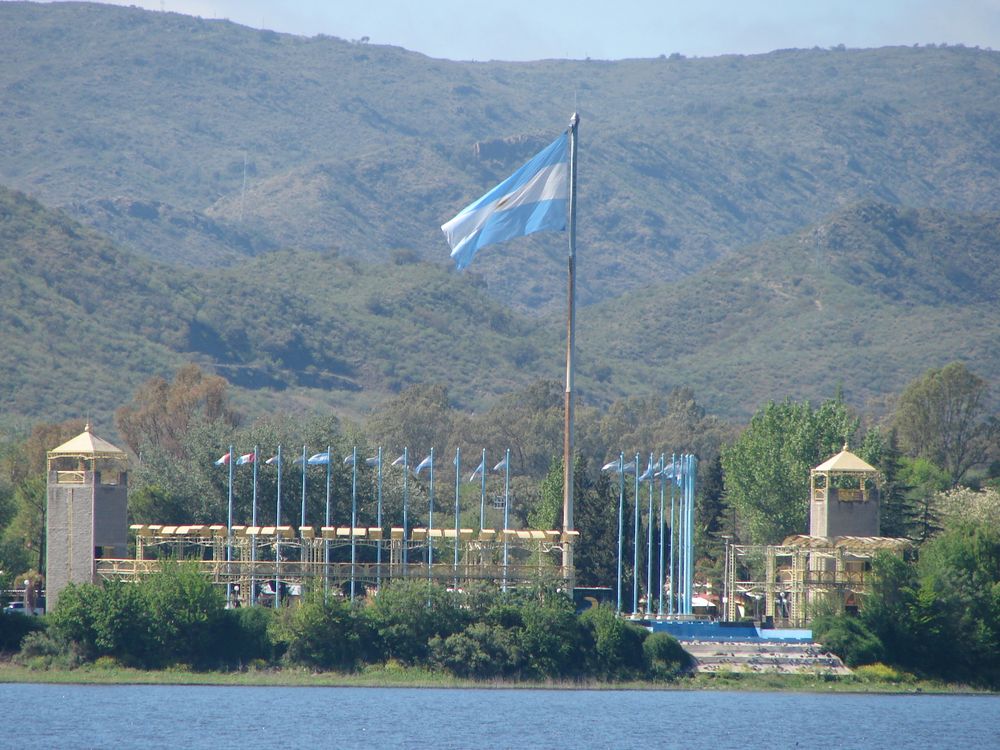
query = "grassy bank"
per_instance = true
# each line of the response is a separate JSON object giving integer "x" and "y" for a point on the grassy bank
{"x": 403, "y": 677}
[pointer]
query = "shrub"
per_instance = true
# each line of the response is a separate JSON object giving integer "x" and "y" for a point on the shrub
{"x": 848, "y": 638}
{"x": 665, "y": 658}
{"x": 322, "y": 633}
{"x": 481, "y": 652}
{"x": 14, "y": 627}
{"x": 618, "y": 645}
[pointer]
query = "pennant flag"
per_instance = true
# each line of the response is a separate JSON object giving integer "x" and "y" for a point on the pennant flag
{"x": 373, "y": 461}
{"x": 479, "y": 470}
{"x": 502, "y": 465}
{"x": 319, "y": 458}
{"x": 399, "y": 461}
{"x": 273, "y": 460}
{"x": 223, "y": 461}
{"x": 246, "y": 458}
{"x": 533, "y": 199}
{"x": 421, "y": 466}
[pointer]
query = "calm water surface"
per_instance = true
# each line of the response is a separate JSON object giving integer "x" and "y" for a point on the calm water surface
{"x": 146, "y": 716}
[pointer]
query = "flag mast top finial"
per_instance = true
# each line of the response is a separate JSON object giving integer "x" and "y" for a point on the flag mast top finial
{"x": 574, "y": 120}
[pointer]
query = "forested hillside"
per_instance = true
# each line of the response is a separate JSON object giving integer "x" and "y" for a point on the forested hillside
{"x": 368, "y": 149}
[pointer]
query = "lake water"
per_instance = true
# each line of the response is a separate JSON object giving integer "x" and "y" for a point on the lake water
{"x": 141, "y": 716}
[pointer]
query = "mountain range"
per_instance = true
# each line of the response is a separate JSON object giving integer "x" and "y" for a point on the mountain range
{"x": 268, "y": 205}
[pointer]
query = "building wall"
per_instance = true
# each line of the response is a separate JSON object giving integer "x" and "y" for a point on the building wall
{"x": 111, "y": 516}
{"x": 832, "y": 517}
{"x": 69, "y": 528}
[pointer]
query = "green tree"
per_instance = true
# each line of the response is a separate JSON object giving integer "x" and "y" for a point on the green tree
{"x": 767, "y": 467}
{"x": 161, "y": 413}
{"x": 322, "y": 632}
{"x": 617, "y": 652}
{"x": 553, "y": 640}
{"x": 924, "y": 481}
{"x": 407, "y": 614}
{"x": 941, "y": 417}
{"x": 665, "y": 658}
{"x": 187, "y": 609}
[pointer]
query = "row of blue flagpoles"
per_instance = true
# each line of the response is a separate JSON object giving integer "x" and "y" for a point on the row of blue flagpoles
{"x": 231, "y": 460}
{"x": 679, "y": 475}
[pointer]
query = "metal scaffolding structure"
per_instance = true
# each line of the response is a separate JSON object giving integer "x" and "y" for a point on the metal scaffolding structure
{"x": 268, "y": 564}
{"x": 793, "y": 577}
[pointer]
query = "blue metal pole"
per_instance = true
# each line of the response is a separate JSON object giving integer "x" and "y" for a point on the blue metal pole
{"x": 277, "y": 538}
{"x": 458, "y": 489}
{"x": 229, "y": 536}
{"x": 326, "y": 522}
{"x": 253, "y": 522}
{"x": 663, "y": 470}
{"x": 482, "y": 494}
{"x": 406, "y": 509}
{"x": 693, "y": 467}
{"x": 649, "y": 541}
{"x": 671, "y": 604}
{"x": 635, "y": 543}
{"x": 621, "y": 522}
{"x": 506, "y": 512}
{"x": 430, "y": 522}
{"x": 354, "y": 515}
{"x": 302, "y": 518}
{"x": 378, "y": 522}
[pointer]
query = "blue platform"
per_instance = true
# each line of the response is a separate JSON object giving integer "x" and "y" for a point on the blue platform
{"x": 724, "y": 631}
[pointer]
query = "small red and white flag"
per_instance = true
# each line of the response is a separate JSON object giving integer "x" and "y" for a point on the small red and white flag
{"x": 223, "y": 461}
{"x": 246, "y": 458}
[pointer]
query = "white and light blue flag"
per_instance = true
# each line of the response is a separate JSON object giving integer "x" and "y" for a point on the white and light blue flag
{"x": 423, "y": 465}
{"x": 319, "y": 459}
{"x": 533, "y": 199}
{"x": 502, "y": 465}
{"x": 479, "y": 470}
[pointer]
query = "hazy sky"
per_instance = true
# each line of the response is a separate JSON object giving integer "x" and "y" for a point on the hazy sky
{"x": 612, "y": 29}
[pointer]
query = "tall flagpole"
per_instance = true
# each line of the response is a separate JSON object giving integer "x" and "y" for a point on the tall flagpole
{"x": 574, "y": 123}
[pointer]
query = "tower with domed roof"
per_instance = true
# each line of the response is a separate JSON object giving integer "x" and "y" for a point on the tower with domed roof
{"x": 86, "y": 510}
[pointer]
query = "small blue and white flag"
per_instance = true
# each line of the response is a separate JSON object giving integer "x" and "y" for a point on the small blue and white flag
{"x": 648, "y": 473}
{"x": 399, "y": 461}
{"x": 422, "y": 465}
{"x": 533, "y": 199}
{"x": 373, "y": 461}
{"x": 349, "y": 459}
{"x": 272, "y": 460}
{"x": 319, "y": 458}
{"x": 611, "y": 466}
{"x": 478, "y": 471}
{"x": 502, "y": 465}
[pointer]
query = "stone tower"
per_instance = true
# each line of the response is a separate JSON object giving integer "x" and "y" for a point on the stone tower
{"x": 86, "y": 511}
{"x": 843, "y": 498}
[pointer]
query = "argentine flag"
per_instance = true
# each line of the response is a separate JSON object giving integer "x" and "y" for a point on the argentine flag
{"x": 533, "y": 199}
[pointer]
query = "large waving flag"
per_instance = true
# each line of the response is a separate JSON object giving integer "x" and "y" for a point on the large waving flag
{"x": 533, "y": 199}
